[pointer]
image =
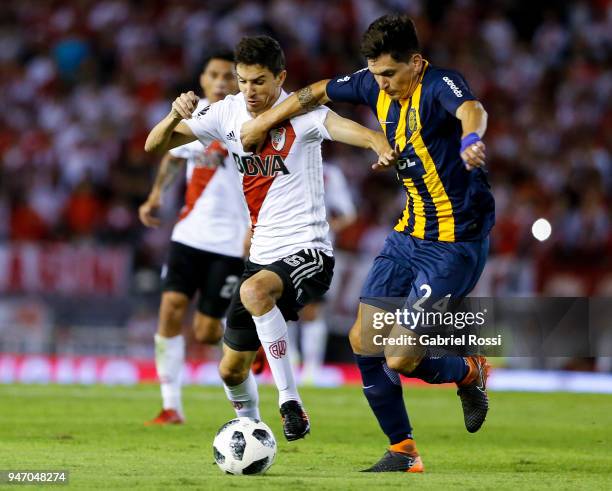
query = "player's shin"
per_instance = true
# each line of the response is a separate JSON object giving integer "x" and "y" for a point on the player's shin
{"x": 244, "y": 397}
{"x": 383, "y": 390}
{"x": 169, "y": 361}
{"x": 272, "y": 332}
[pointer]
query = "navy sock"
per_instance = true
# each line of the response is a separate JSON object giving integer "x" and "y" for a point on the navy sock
{"x": 441, "y": 370}
{"x": 383, "y": 390}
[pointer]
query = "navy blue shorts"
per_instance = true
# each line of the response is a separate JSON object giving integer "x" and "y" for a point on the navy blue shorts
{"x": 408, "y": 269}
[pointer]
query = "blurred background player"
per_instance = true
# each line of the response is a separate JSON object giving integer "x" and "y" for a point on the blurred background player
{"x": 207, "y": 246}
{"x": 312, "y": 327}
{"x": 440, "y": 244}
{"x": 291, "y": 259}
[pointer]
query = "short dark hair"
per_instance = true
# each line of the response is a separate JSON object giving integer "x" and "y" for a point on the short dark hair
{"x": 260, "y": 50}
{"x": 225, "y": 54}
{"x": 391, "y": 34}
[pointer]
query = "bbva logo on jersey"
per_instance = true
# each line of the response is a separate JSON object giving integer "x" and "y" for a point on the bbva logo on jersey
{"x": 253, "y": 165}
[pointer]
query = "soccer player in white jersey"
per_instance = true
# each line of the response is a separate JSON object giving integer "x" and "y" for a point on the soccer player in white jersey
{"x": 290, "y": 260}
{"x": 207, "y": 246}
{"x": 312, "y": 327}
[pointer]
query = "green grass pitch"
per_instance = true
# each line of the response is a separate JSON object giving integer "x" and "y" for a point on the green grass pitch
{"x": 530, "y": 441}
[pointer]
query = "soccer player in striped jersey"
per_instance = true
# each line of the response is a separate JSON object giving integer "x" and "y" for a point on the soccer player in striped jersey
{"x": 290, "y": 260}
{"x": 439, "y": 246}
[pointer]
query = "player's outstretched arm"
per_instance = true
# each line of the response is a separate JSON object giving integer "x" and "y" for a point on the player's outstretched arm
{"x": 473, "y": 119}
{"x": 253, "y": 133}
{"x": 168, "y": 170}
{"x": 347, "y": 131}
{"x": 170, "y": 132}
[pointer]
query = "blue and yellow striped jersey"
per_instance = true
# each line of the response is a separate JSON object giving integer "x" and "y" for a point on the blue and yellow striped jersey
{"x": 444, "y": 201}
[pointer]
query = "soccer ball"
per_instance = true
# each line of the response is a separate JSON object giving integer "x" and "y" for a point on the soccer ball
{"x": 244, "y": 446}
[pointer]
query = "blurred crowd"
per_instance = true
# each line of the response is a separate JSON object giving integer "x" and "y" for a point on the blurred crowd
{"x": 82, "y": 82}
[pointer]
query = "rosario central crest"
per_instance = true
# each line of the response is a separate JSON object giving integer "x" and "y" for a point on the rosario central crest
{"x": 278, "y": 348}
{"x": 412, "y": 120}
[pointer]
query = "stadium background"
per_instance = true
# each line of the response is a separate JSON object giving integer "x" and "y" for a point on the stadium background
{"x": 82, "y": 82}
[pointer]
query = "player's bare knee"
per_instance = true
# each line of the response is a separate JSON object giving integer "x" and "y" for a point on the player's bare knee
{"x": 310, "y": 312}
{"x": 255, "y": 296}
{"x": 395, "y": 363}
{"x": 175, "y": 300}
{"x": 232, "y": 372}
{"x": 169, "y": 329}
{"x": 207, "y": 330}
{"x": 403, "y": 364}
{"x": 355, "y": 338}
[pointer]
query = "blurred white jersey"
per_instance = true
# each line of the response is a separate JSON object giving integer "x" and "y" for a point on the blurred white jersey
{"x": 338, "y": 200}
{"x": 283, "y": 185}
{"x": 214, "y": 217}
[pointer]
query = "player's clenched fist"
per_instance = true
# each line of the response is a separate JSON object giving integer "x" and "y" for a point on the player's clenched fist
{"x": 472, "y": 151}
{"x": 253, "y": 135}
{"x": 148, "y": 212}
{"x": 184, "y": 105}
{"x": 474, "y": 155}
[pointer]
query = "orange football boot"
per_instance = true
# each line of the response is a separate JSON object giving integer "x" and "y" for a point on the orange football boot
{"x": 401, "y": 457}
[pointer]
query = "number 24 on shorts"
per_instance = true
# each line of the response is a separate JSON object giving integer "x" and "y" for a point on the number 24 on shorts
{"x": 441, "y": 305}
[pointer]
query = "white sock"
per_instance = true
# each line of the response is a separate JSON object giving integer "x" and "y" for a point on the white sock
{"x": 293, "y": 334}
{"x": 244, "y": 397}
{"x": 169, "y": 361}
{"x": 272, "y": 332}
{"x": 314, "y": 341}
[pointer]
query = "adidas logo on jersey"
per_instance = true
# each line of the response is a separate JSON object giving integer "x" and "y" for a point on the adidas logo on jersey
{"x": 453, "y": 87}
{"x": 348, "y": 77}
{"x": 231, "y": 137}
{"x": 253, "y": 165}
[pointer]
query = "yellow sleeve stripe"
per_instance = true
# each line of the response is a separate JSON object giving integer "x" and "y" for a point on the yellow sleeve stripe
{"x": 382, "y": 108}
{"x": 444, "y": 206}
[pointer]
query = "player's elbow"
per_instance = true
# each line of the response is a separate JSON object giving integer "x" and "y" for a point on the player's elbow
{"x": 473, "y": 115}
{"x": 478, "y": 111}
{"x": 484, "y": 116}
{"x": 151, "y": 145}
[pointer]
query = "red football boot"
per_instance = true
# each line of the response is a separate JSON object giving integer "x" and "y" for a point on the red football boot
{"x": 166, "y": 417}
{"x": 259, "y": 363}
